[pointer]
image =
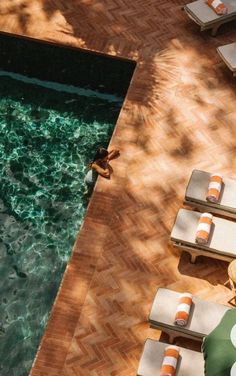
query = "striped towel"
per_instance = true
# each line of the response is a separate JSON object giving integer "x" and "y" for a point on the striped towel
{"x": 183, "y": 309}
{"x": 217, "y": 5}
{"x": 204, "y": 228}
{"x": 214, "y": 187}
{"x": 170, "y": 360}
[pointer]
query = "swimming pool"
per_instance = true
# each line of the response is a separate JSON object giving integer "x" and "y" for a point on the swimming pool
{"x": 49, "y": 132}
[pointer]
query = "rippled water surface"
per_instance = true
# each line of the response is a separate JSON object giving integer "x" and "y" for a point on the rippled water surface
{"x": 47, "y": 138}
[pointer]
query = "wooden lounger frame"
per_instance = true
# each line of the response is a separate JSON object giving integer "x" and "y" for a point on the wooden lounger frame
{"x": 210, "y": 208}
{"x": 174, "y": 332}
{"x": 195, "y": 252}
{"x": 213, "y": 26}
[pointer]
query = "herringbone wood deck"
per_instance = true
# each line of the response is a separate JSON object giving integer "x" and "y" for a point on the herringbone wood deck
{"x": 179, "y": 114}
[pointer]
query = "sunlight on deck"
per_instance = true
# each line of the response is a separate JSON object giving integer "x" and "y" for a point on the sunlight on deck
{"x": 179, "y": 114}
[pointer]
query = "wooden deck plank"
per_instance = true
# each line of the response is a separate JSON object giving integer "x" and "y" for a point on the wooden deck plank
{"x": 179, "y": 114}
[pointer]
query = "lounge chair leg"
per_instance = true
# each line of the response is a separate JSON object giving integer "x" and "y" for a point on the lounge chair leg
{"x": 171, "y": 339}
{"x": 193, "y": 259}
{"x": 214, "y": 31}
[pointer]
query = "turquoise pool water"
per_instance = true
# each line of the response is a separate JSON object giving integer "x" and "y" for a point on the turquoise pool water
{"x": 47, "y": 138}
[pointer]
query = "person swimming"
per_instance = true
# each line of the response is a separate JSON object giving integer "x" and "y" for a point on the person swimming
{"x": 100, "y": 166}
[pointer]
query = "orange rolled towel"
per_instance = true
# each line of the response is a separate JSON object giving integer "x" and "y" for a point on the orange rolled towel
{"x": 204, "y": 228}
{"x": 214, "y": 188}
{"x": 170, "y": 361}
{"x": 219, "y": 7}
{"x": 183, "y": 309}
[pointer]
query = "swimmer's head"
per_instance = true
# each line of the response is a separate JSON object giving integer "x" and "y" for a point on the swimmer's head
{"x": 101, "y": 155}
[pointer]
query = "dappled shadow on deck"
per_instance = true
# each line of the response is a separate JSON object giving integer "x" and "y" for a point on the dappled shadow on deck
{"x": 179, "y": 114}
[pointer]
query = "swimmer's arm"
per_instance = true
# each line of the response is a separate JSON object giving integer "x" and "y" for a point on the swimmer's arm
{"x": 113, "y": 154}
{"x": 101, "y": 171}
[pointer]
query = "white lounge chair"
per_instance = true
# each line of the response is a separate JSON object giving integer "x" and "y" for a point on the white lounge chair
{"x": 190, "y": 363}
{"x": 222, "y": 240}
{"x": 204, "y": 315}
{"x": 207, "y": 18}
{"x": 228, "y": 55}
{"x": 196, "y": 192}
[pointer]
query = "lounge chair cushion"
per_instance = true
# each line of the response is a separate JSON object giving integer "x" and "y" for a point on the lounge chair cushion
{"x": 222, "y": 238}
{"x": 204, "y": 315}
{"x": 190, "y": 362}
{"x": 198, "y": 186}
{"x": 204, "y": 15}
